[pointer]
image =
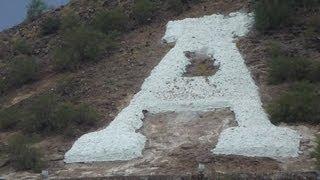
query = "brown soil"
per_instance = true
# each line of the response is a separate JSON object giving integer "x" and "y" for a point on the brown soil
{"x": 200, "y": 65}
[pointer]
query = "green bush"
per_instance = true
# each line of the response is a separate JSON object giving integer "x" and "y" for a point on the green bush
{"x": 283, "y": 68}
{"x": 47, "y": 115}
{"x": 86, "y": 115}
{"x": 50, "y": 25}
{"x": 81, "y": 45}
{"x": 41, "y": 115}
{"x": 143, "y": 10}
{"x": 112, "y": 21}
{"x": 20, "y": 46}
{"x": 65, "y": 115}
{"x": 300, "y": 104}
{"x": 270, "y": 14}
{"x": 9, "y": 118}
{"x": 69, "y": 21}
{"x": 23, "y": 156}
{"x": 35, "y": 9}
{"x": 22, "y": 70}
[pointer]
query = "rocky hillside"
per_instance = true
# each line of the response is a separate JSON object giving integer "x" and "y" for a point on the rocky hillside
{"x": 70, "y": 71}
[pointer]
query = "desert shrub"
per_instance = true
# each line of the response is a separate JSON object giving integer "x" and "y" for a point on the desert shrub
{"x": 21, "y": 46}
{"x": 41, "y": 115}
{"x": 69, "y": 21}
{"x": 68, "y": 114}
{"x": 35, "y": 8}
{"x": 143, "y": 10}
{"x": 283, "y": 68}
{"x": 270, "y": 14}
{"x": 86, "y": 115}
{"x": 65, "y": 115}
{"x": 111, "y": 21}
{"x": 81, "y": 45}
{"x": 22, "y": 70}
{"x": 50, "y": 25}
{"x": 10, "y": 117}
{"x": 300, "y": 104}
{"x": 48, "y": 115}
{"x": 23, "y": 156}
{"x": 175, "y": 5}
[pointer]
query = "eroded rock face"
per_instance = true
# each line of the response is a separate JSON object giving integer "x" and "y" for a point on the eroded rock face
{"x": 167, "y": 90}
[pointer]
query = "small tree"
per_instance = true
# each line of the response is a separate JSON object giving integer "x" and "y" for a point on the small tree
{"x": 35, "y": 8}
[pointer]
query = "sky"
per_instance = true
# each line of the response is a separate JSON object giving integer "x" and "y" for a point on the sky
{"x": 13, "y": 12}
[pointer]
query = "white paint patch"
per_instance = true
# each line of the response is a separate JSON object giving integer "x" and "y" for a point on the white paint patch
{"x": 166, "y": 90}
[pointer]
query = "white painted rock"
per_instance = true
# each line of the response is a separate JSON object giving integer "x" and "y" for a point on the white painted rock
{"x": 166, "y": 90}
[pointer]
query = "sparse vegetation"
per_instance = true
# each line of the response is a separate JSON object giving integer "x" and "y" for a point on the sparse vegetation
{"x": 113, "y": 21}
{"x": 68, "y": 87}
{"x": 35, "y": 9}
{"x": 21, "y": 70}
{"x": 20, "y": 46}
{"x": 300, "y": 104}
{"x": 69, "y": 21}
{"x": 81, "y": 45}
{"x": 143, "y": 10}
{"x": 23, "y": 156}
{"x": 50, "y": 25}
